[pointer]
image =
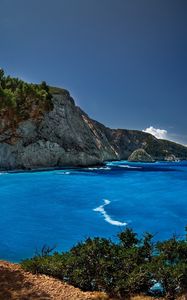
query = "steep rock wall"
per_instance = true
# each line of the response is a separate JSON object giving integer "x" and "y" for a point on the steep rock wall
{"x": 66, "y": 136}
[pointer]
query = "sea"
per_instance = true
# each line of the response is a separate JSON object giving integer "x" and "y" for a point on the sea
{"x": 59, "y": 208}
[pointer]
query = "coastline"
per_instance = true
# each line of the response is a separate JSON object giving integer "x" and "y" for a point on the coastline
{"x": 71, "y": 167}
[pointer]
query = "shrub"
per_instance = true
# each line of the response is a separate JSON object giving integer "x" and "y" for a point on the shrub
{"x": 20, "y": 100}
{"x": 128, "y": 267}
{"x": 170, "y": 266}
{"x": 98, "y": 264}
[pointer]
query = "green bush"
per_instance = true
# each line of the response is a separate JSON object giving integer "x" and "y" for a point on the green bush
{"x": 128, "y": 267}
{"x": 20, "y": 100}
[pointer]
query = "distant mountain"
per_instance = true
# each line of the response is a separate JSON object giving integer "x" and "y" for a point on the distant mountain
{"x": 41, "y": 127}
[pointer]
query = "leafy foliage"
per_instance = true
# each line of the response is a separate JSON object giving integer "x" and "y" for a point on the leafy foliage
{"x": 20, "y": 100}
{"x": 122, "y": 269}
{"x": 170, "y": 266}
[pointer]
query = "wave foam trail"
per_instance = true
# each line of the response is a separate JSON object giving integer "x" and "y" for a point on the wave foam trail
{"x": 64, "y": 173}
{"x": 106, "y": 216}
{"x": 100, "y": 168}
{"x": 129, "y": 167}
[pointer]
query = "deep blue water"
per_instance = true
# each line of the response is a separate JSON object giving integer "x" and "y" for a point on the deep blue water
{"x": 57, "y": 207}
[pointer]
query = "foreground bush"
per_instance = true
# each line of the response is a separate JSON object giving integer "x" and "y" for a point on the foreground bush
{"x": 129, "y": 267}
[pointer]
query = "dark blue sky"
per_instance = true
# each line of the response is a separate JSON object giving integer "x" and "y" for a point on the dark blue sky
{"x": 124, "y": 61}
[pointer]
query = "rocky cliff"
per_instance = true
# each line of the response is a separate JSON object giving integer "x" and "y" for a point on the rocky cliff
{"x": 140, "y": 155}
{"x": 66, "y": 136}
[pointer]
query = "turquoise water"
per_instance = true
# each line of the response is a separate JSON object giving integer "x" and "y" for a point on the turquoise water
{"x": 62, "y": 207}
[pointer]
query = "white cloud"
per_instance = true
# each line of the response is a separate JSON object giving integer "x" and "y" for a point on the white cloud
{"x": 158, "y": 133}
{"x": 164, "y": 134}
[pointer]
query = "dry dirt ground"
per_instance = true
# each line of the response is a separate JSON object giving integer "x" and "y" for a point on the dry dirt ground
{"x": 16, "y": 284}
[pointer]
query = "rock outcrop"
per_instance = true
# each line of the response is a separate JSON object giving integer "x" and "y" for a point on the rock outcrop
{"x": 66, "y": 136}
{"x": 140, "y": 155}
{"x": 171, "y": 157}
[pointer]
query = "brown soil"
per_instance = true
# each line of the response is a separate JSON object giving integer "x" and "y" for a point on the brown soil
{"x": 16, "y": 284}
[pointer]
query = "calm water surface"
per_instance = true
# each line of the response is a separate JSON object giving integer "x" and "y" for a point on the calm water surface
{"x": 62, "y": 207}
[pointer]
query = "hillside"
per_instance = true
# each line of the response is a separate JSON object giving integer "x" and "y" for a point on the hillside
{"x": 41, "y": 127}
{"x": 16, "y": 284}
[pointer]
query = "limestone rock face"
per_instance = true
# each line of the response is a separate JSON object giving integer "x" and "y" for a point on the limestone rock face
{"x": 66, "y": 136}
{"x": 140, "y": 155}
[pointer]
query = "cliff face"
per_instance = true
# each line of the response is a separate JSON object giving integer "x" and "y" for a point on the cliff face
{"x": 140, "y": 155}
{"x": 66, "y": 136}
{"x": 127, "y": 141}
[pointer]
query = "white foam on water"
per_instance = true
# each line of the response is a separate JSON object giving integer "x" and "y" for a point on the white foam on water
{"x": 100, "y": 168}
{"x": 116, "y": 163}
{"x": 106, "y": 216}
{"x": 64, "y": 173}
{"x": 129, "y": 167}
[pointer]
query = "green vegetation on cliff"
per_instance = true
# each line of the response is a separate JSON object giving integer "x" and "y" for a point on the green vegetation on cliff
{"x": 131, "y": 266}
{"x": 20, "y": 100}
